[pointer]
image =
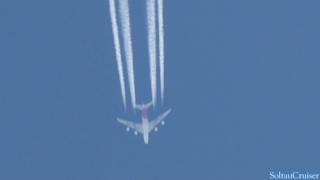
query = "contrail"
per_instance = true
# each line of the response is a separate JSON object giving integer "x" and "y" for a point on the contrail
{"x": 126, "y": 30}
{"x": 151, "y": 23}
{"x": 161, "y": 46}
{"x": 115, "y": 31}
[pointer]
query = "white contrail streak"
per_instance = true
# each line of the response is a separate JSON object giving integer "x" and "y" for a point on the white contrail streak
{"x": 152, "y": 35}
{"x": 116, "y": 38}
{"x": 161, "y": 46}
{"x": 126, "y": 30}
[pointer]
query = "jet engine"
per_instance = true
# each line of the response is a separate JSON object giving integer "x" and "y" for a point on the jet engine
{"x": 155, "y": 129}
{"x": 127, "y": 129}
{"x": 162, "y": 122}
{"x": 135, "y": 133}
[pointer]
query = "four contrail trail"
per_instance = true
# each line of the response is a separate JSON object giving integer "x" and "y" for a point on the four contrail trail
{"x": 161, "y": 46}
{"x": 152, "y": 46}
{"x": 126, "y": 30}
{"x": 115, "y": 30}
{"x": 151, "y": 25}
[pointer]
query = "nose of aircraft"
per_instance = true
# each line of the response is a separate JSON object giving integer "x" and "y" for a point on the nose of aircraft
{"x": 146, "y": 139}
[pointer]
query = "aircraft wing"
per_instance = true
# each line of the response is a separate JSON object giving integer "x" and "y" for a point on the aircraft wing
{"x": 132, "y": 125}
{"x": 156, "y": 121}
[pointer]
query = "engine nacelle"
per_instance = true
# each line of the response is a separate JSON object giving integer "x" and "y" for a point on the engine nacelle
{"x": 135, "y": 133}
{"x": 127, "y": 129}
{"x": 155, "y": 129}
{"x": 162, "y": 122}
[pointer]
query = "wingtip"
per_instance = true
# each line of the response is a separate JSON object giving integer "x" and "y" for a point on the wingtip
{"x": 168, "y": 111}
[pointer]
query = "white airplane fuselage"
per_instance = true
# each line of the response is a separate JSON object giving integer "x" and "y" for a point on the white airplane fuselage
{"x": 145, "y": 125}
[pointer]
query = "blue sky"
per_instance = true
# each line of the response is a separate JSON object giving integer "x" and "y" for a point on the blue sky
{"x": 241, "y": 77}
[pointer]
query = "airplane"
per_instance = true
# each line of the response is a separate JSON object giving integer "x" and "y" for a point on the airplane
{"x": 146, "y": 126}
